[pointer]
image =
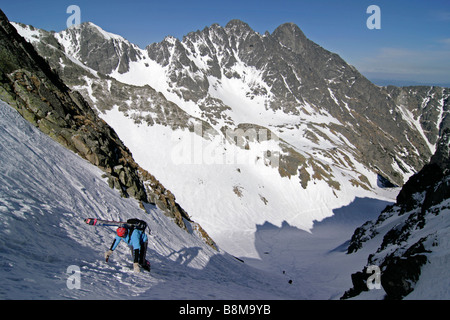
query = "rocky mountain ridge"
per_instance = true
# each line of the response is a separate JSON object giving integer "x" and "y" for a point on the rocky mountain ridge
{"x": 283, "y": 71}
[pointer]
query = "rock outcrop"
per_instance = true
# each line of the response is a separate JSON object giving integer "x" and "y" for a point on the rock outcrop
{"x": 411, "y": 230}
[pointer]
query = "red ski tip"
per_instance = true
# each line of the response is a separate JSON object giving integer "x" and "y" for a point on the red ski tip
{"x": 90, "y": 221}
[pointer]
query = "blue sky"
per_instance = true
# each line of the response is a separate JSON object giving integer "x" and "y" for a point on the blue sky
{"x": 412, "y": 46}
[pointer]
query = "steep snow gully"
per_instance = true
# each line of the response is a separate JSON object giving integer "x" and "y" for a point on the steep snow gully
{"x": 47, "y": 252}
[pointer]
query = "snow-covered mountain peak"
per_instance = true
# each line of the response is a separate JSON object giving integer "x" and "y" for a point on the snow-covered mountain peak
{"x": 238, "y": 28}
{"x": 91, "y": 45}
{"x": 290, "y": 35}
{"x": 92, "y": 26}
{"x": 237, "y": 24}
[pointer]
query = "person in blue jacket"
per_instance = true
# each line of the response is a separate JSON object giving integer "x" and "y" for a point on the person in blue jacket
{"x": 137, "y": 240}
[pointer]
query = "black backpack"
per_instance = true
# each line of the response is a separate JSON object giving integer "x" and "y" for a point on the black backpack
{"x": 136, "y": 224}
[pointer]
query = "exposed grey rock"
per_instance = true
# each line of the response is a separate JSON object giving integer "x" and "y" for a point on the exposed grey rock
{"x": 99, "y": 53}
{"x": 405, "y": 246}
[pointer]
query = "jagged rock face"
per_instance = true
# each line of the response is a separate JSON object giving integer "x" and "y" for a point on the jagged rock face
{"x": 411, "y": 230}
{"x": 421, "y": 101}
{"x": 96, "y": 51}
{"x": 28, "y": 84}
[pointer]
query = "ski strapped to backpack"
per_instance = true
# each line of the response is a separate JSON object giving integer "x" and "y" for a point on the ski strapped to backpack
{"x": 130, "y": 224}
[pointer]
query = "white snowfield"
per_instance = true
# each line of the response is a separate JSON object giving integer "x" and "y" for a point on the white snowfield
{"x": 45, "y": 193}
{"x": 48, "y": 252}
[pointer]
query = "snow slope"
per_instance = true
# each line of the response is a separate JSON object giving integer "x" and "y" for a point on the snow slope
{"x": 46, "y": 191}
{"x": 228, "y": 190}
